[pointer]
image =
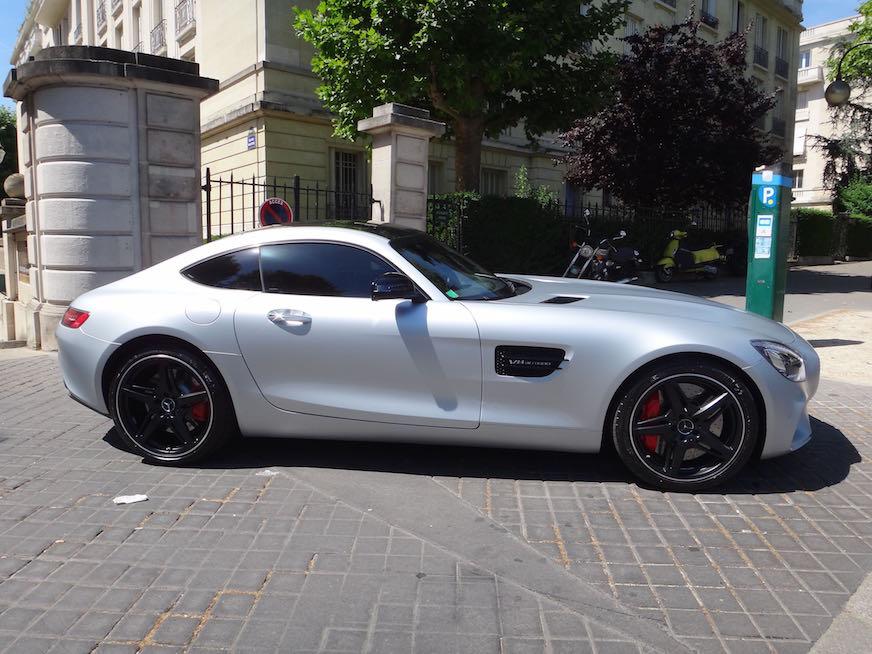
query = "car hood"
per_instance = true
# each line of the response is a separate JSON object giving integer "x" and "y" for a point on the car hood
{"x": 626, "y": 298}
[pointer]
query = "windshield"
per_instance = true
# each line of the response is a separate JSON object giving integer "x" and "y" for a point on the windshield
{"x": 452, "y": 273}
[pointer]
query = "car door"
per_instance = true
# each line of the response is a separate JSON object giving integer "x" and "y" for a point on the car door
{"x": 317, "y": 343}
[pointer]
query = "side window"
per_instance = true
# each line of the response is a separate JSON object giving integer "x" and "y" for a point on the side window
{"x": 236, "y": 270}
{"x": 320, "y": 269}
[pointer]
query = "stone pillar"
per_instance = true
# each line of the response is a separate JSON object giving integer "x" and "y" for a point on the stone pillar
{"x": 400, "y": 147}
{"x": 109, "y": 145}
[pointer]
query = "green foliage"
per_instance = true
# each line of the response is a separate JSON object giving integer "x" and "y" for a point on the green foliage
{"x": 857, "y": 66}
{"x": 543, "y": 194}
{"x": 814, "y": 232}
{"x": 9, "y": 142}
{"x": 856, "y": 197}
{"x": 859, "y": 236}
{"x": 512, "y": 234}
{"x": 481, "y": 66}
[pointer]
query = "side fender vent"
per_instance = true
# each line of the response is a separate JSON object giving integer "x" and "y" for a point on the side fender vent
{"x": 522, "y": 361}
{"x": 562, "y": 299}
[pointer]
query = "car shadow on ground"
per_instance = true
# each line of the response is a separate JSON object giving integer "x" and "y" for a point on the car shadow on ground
{"x": 824, "y": 462}
{"x": 802, "y": 282}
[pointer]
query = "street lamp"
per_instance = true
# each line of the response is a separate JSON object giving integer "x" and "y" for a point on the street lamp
{"x": 839, "y": 91}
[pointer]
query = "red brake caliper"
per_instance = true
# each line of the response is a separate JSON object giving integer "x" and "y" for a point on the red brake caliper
{"x": 200, "y": 412}
{"x": 651, "y": 409}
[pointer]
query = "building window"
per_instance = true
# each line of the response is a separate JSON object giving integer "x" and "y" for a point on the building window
{"x": 761, "y": 41}
{"x": 782, "y": 53}
{"x": 805, "y": 58}
{"x": 494, "y": 181}
{"x": 801, "y": 100}
{"x": 632, "y": 27}
{"x": 349, "y": 203}
{"x": 799, "y": 141}
{"x": 739, "y": 17}
{"x": 435, "y": 171}
{"x": 798, "y": 176}
{"x": 708, "y": 13}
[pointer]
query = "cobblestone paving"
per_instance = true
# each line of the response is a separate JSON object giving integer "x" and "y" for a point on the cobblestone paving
{"x": 230, "y": 557}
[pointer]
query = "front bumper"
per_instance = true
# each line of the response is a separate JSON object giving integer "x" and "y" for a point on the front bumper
{"x": 788, "y": 427}
{"x": 82, "y": 358}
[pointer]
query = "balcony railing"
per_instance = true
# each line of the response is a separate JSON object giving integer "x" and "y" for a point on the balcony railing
{"x": 779, "y": 127}
{"x": 137, "y": 47}
{"x": 185, "y": 18}
{"x": 708, "y": 19}
{"x": 811, "y": 75}
{"x": 761, "y": 56}
{"x": 782, "y": 68}
{"x": 77, "y": 35}
{"x": 159, "y": 38}
{"x": 116, "y": 6}
{"x": 101, "y": 17}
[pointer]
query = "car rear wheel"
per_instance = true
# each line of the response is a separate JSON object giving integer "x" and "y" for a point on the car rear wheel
{"x": 686, "y": 425}
{"x": 170, "y": 405}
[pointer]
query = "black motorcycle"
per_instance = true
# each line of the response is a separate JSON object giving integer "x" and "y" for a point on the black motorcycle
{"x": 604, "y": 262}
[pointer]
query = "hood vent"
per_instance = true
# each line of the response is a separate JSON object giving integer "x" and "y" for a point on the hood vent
{"x": 563, "y": 299}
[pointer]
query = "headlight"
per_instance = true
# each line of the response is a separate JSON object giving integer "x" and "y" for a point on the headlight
{"x": 782, "y": 358}
{"x": 586, "y": 251}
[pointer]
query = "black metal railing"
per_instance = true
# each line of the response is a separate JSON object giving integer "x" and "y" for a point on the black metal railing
{"x": 761, "y": 56}
{"x": 647, "y": 229}
{"x": 185, "y": 17}
{"x": 709, "y": 19}
{"x": 782, "y": 68}
{"x": 159, "y": 37}
{"x": 101, "y": 16}
{"x": 232, "y": 204}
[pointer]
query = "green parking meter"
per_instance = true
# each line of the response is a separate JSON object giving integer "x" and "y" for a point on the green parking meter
{"x": 768, "y": 240}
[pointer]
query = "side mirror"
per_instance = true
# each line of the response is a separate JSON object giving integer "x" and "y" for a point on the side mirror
{"x": 395, "y": 286}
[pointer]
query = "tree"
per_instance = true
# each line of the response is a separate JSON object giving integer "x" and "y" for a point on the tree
{"x": 480, "y": 65}
{"x": 847, "y": 154}
{"x": 680, "y": 128}
{"x": 9, "y": 142}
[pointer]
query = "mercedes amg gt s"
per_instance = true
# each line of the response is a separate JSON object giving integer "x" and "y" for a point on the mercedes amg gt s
{"x": 377, "y": 332}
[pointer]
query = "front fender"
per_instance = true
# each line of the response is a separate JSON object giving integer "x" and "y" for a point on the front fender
{"x": 666, "y": 261}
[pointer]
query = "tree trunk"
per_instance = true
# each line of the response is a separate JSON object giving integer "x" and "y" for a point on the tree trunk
{"x": 468, "y": 133}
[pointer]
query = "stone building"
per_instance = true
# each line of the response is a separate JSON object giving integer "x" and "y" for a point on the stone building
{"x": 813, "y": 116}
{"x": 265, "y": 122}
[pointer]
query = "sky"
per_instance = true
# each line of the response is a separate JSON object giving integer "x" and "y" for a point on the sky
{"x": 12, "y": 13}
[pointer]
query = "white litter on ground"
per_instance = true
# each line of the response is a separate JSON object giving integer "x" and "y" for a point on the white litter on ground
{"x": 266, "y": 473}
{"x": 129, "y": 499}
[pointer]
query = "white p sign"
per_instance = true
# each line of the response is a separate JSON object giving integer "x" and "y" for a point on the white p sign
{"x": 767, "y": 196}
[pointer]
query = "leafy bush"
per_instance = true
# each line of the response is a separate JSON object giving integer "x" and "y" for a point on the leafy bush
{"x": 857, "y": 197}
{"x": 814, "y": 232}
{"x": 515, "y": 235}
{"x": 859, "y": 236}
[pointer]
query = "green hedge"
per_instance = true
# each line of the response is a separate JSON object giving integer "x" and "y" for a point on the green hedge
{"x": 857, "y": 197}
{"x": 814, "y": 232}
{"x": 859, "y": 237}
{"x": 516, "y": 235}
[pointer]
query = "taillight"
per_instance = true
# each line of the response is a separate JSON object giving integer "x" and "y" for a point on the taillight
{"x": 74, "y": 318}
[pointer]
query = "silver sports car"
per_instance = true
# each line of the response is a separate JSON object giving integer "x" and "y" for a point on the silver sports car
{"x": 381, "y": 333}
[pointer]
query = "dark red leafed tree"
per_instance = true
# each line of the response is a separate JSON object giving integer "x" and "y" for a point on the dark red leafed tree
{"x": 679, "y": 130}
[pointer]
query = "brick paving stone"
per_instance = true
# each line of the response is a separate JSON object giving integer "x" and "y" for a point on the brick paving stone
{"x": 222, "y": 559}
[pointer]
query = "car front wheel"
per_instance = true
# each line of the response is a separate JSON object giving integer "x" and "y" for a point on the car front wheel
{"x": 170, "y": 405}
{"x": 686, "y": 425}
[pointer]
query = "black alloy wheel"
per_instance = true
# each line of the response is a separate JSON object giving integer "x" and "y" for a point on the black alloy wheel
{"x": 170, "y": 406}
{"x": 686, "y": 426}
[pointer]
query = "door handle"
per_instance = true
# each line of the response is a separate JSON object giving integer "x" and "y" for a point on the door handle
{"x": 290, "y": 317}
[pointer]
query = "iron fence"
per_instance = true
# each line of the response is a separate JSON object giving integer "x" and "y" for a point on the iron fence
{"x": 232, "y": 204}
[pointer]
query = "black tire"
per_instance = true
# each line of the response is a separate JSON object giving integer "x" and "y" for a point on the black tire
{"x": 158, "y": 392}
{"x": 711, "y": 276}
{"x": 664, "y": 274}
{"x": 692, "y": 441}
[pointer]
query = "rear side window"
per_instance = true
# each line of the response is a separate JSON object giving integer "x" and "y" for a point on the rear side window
{"x": 237, "y": 270}
{"x": 325, "y": 269}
